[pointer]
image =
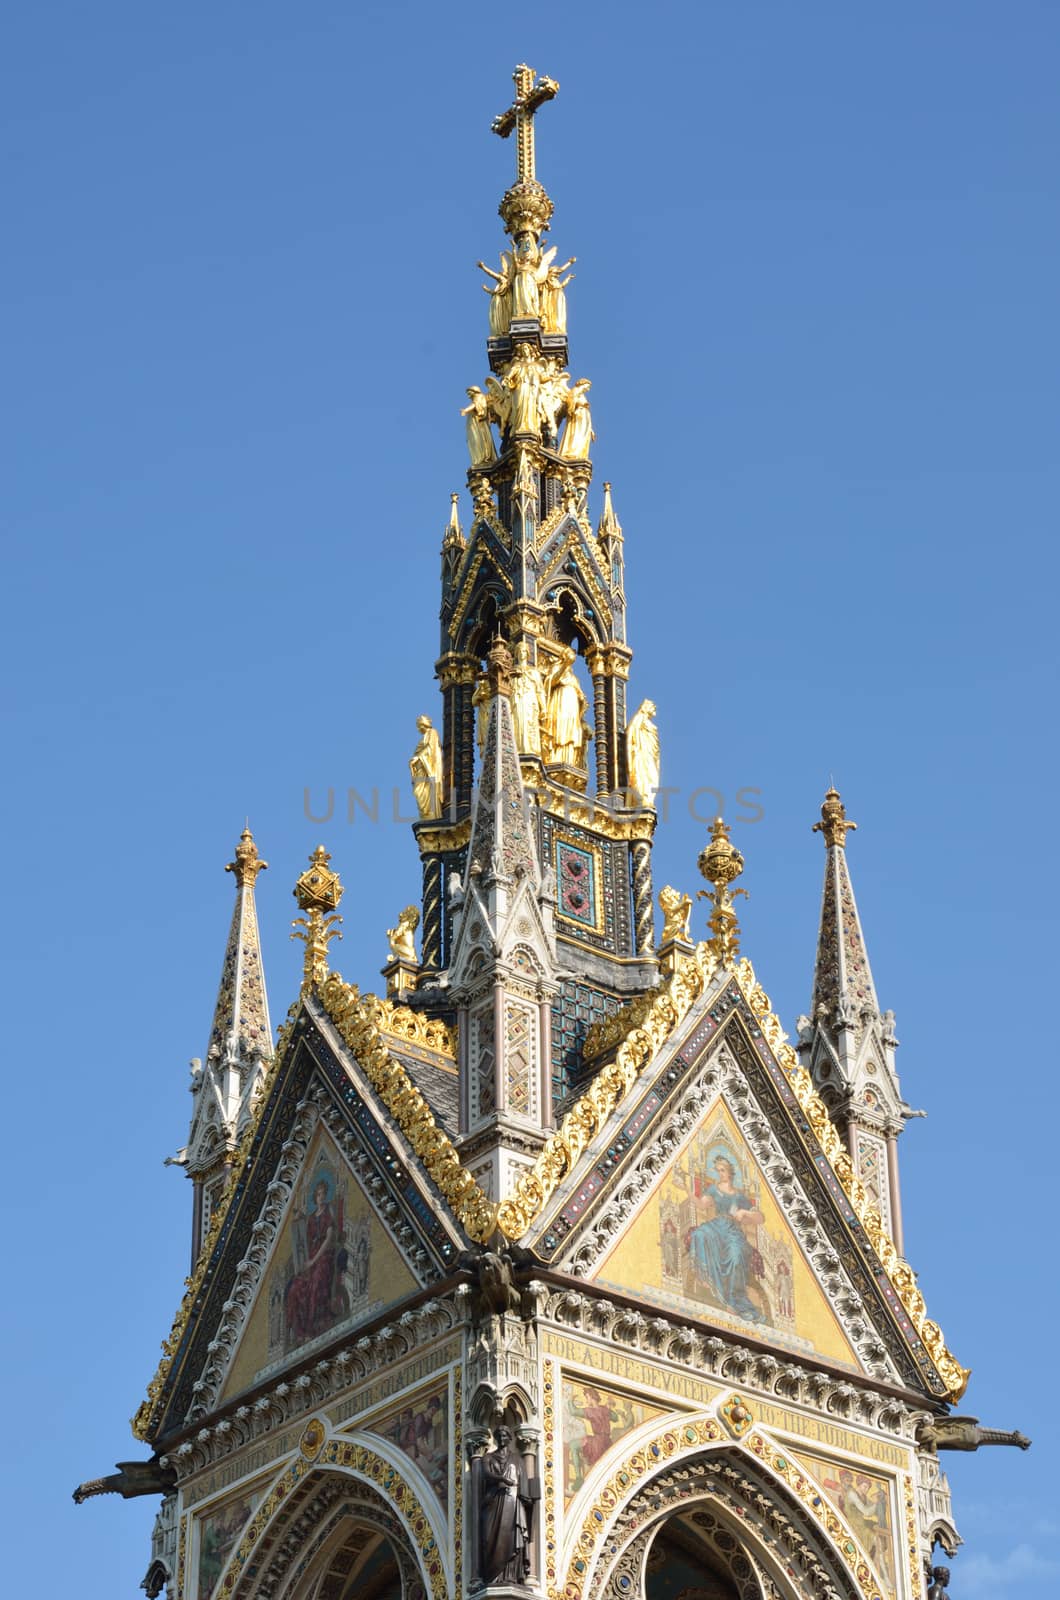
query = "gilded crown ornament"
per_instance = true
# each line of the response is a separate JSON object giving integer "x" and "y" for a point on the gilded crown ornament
{"x": 247, "y": 863}
{"x": 833, "y": 823}
{"x": 721, "y": 864}
{"x": 318, "y": 892}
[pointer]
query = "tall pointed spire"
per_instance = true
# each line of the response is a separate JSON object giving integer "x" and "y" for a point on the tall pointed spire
{"x": 847, "y": 1043}
{"x": 239, "y": 1048}
{"x": 503, "y": 970}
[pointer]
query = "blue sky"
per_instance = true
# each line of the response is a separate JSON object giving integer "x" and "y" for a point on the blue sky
{"x": 816, "y": 294}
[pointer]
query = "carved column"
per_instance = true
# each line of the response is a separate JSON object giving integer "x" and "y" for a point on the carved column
{"x": 431, "y": 942}
{"x": 608, "y": 666}
{"x": 456, "y": 674}
{"x": 603, "y": 783}
{"x": 528, "y": 1438}
{"x": 643, "y": 919}
{"x": 476, "y": 1441}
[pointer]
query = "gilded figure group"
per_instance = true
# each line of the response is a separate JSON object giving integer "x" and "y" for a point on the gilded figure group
{"x": 529, "y": 284}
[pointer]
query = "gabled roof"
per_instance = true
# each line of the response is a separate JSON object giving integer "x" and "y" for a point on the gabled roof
{"x": 346, "y": 1048}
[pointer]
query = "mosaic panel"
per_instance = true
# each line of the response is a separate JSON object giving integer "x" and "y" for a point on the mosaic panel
{"x": 520, "y": 1057}
{"x": 576, "y": 882}
{"x": 574, "y": 1010}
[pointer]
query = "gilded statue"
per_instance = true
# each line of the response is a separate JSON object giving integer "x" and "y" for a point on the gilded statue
{"x": 527, "y": 692}
{"x": 529, "y": 273}
{"x": 425, "y": 767}
{"x": 553, "y": 298}
{"x": 642, "y": 753}
{"x": 567, "y": 735}
{"x": 676, "y": 909}
{"x": 480, "y": 700}
{"x": 402, "y": 944}
{"x": 480, "y": 444}
{"x": 501, "y": 295}
{"x": 523, "y": 380}
{"x": 578, "y": 434}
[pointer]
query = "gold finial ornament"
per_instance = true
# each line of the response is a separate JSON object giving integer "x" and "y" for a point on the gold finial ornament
{"x": 247, "y": 863}
{"x": 833, "y": 823}
{"x": 721, "y": 864}
{"x": 526, "y": 208}
{"x": 318, "y": 892}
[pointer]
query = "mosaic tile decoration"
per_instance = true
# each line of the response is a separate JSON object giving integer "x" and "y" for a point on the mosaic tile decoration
{"x": 574, "y": 1010}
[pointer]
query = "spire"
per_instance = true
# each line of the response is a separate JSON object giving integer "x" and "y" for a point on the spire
{"x": 847, "y": 1043}
{"x": 502, "y": 974}
{"x": 501, "y": 843}
{"x": 609, "y": 526}
{"x": 843, "y": 990}
{"x": 241, "y": 1027}
{"x": 239, "y": 1048}
{"x": 454, "y": 534}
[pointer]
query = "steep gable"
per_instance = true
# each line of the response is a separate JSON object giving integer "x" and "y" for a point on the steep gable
{"x": 333, "y": 1265}
{"x": 324, "y": 1188}
{"x": 721, "y": 1070}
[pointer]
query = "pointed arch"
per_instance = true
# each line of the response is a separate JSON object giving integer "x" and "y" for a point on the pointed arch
{"x": 791, "y": 1543}
{"x": 304, "y": 1530}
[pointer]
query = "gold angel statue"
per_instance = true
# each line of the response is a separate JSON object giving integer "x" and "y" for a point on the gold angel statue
{"x": 480, "y": 446}
{"x": 567, "y": 735}
{"x": 676, "y": 909}
{"x": 552, "y": 297}
{"x": 501, "y": 296}
{"x": 425, "y": 768}
{"x": 578, "y": 435}
{"x": 480, "y": 700}
{"x": 529, "y": 273}
{"x": 529, "y": 706}
{"x": 402, "y": 943}
{"x": 524, "y": 383}
{"x": 642, "y": 752}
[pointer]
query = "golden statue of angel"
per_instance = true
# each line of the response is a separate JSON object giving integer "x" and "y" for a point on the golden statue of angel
{"x": 501, "y": 296}
{"x": 578, "y": 435}
{"x": 642, "y": 752}
{"x": 553, "y": 300}
{"x": 529, "y": 706}
{"x": 567, "y": 734}
{"x": 480, "y": 446}
{"x": 425, "y": 769}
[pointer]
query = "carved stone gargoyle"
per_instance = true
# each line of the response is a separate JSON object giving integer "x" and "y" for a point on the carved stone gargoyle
{"x": 132, "y": 1478}
{"x": 964, "y": 1433}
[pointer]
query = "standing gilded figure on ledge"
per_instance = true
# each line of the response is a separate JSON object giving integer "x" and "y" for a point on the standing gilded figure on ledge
{"x": 527, "y": 692}
{"x": 425, "y": 767}
{"x": 578, "y": 434}
{"x": 480, "y": 446}
{"x": 642, "y": 753}
{"x": 501, "y": 296}
{"x": 567, "y": 734}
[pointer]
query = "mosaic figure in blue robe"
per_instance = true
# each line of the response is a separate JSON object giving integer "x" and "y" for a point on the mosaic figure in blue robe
{"x": 721, "y": 1251}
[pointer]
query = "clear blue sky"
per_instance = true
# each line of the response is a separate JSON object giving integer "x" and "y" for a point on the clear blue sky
{"x": 816, "y": 294}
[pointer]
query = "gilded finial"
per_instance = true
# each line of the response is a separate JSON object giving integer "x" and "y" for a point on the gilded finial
{"x": 454, "y": 533}
{"x": 318, "y": 892}
{"x": 609, "y": 523}
{"x": 525, "y": 207}
{"x": 721, "y": 864}
{"x": 499, "y": 665}
{"x": 247, "y": 863}
{"x": 833, "y": 823}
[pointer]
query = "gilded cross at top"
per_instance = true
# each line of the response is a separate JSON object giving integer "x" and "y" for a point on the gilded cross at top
{"x": 531, "y": 92}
